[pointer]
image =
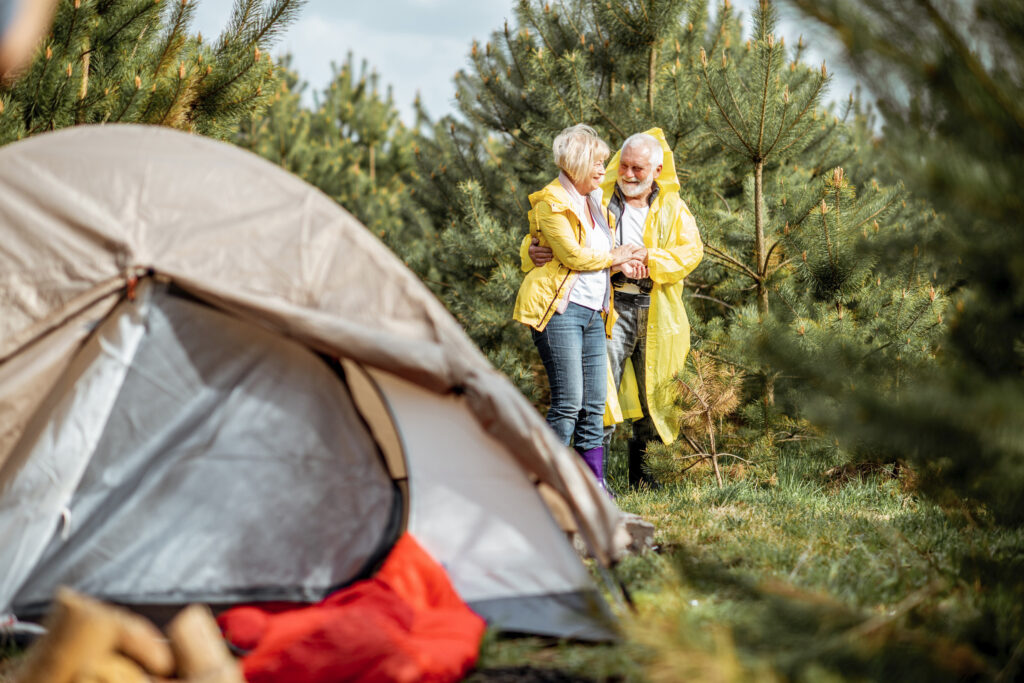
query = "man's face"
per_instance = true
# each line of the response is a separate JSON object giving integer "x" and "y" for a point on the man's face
{"x": 635, "y": 171}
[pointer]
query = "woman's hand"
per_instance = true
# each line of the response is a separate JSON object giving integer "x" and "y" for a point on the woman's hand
{"x": 623, "y": 253}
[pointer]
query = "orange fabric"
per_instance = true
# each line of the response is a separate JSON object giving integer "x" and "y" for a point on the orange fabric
{"x": 407, "y": 623}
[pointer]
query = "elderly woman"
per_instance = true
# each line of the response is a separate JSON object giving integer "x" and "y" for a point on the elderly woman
{"x": 563, "y": 300}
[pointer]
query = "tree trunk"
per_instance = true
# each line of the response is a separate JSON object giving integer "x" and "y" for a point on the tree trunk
{"x": 714, "y": 449}
{"x": 652, "y": 72}
{"x": 761, "y": 266}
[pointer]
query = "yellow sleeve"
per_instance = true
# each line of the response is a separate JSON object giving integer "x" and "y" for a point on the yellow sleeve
{"x": 670, "y": 265}
{"x": 524, "y": 254}
{"x": 559, "y": 235}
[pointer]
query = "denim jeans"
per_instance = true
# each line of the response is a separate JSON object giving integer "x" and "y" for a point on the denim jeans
{"x": 572, "y": 348}
{"x": 629, "y": 342}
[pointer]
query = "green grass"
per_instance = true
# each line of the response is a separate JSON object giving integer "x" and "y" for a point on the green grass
{"x": 789, "y": 576}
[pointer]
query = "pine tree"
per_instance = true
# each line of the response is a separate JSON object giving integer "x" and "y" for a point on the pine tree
{"x": 950, "y": 94}
{"x": 708, "y": 394}
{"x": 350, "y": 143}
{"x": 761, "y": 112}
{"x": 135, "y": 61}
{"x": 955, "y": 128}
{"x": 846, "y": 305}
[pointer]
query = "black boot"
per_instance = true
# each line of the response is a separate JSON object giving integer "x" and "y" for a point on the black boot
{"x": 639, "y": 477}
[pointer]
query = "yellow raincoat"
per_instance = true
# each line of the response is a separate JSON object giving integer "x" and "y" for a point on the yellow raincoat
{"x": 554, "y": 222}
{"x": 674, "y": 248}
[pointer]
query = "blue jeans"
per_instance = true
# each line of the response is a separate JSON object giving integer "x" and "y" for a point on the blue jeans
{"x": 572, "y": 348}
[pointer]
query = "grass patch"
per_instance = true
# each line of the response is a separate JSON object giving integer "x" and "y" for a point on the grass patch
{"x": 793, "y": 576}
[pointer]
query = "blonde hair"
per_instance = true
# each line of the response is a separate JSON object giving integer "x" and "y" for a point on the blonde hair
{"x": 577, "y": 149}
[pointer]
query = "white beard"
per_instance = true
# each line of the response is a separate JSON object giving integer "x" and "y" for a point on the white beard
{"x": 636, "y": 189}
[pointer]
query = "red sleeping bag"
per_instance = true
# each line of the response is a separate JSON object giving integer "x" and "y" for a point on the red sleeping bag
{"x": 407, "y": 623}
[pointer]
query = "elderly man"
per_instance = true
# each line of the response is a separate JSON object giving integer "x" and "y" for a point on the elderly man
{"x": 651, "y": 336}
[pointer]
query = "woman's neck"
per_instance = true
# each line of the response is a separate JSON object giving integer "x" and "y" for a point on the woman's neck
{"x": 582, "y": 189}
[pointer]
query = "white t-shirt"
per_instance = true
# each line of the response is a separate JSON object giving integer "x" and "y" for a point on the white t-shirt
{"x": 592, "y": 285}
{"x": 633, "y": 219}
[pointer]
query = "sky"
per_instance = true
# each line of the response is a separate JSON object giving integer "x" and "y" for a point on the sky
{"x": 417, "y": 45}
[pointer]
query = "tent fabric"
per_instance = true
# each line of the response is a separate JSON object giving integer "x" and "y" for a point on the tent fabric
{"x": 203, "y": 458}
{"x": 157, "y": 428}
{"x": 406, "y": 624}
{"x": 87, "y": 210}
{"x": 485, "y": 520}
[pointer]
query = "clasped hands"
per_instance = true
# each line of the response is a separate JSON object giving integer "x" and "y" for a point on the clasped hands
{"x": 631, "y": 259}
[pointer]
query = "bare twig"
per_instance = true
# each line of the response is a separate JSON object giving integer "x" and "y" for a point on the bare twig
{"x": 710, "y": 298}
{"x": 908, "y": 603}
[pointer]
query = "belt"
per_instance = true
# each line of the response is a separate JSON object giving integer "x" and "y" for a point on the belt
{"x": 631, "y": 299}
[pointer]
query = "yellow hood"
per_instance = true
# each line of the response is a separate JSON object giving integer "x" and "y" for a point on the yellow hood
{"x": 667, "y": 180}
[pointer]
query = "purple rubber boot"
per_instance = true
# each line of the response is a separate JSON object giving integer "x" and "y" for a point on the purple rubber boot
{"x": 594, "y": 457}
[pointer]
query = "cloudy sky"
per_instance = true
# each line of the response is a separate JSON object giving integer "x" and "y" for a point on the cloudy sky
{"x": 415, "y": 45}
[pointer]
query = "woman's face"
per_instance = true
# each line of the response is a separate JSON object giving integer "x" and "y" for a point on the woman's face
{"x": 593, "y": 180}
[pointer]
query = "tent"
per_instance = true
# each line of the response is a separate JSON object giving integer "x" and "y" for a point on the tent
{"x": 217, "y": 386}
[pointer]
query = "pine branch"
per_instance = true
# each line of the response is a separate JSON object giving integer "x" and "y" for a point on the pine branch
{"x": 281, "y": 15}
{"x": 736, "y": 104}
{"x": 579, "y": 86}
{"x": 708, "y": 456}
{"x": 561, "y": 100}
{"x": 243, "y": 14}
{"x": 151, "y": 10}
{"x": 512, "y": 53}
{"x": 71, "y": 26}
{"x": 172, "y": 43}
{"x": 764, "y": 93}
{"x": 727, "y": 259}
{"x": 719, "y": 195}
{"x": 880, "y": 211}
{"x": 782, "y": 123}
{"x": 778, "y": 267}
{"x": 695, "y": 295}
{"x": 721, "y": 110}
{"x": 621, "y": 23}
{"x": 30, "y": 114}
{"x": 803, "y": 112}
{"x": 609, "y": 120}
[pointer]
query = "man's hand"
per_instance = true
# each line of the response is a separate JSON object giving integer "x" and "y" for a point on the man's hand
{"x": 634, "y": 269}
{"x": 538, "y": 254}
{"x": 641, "y": 253}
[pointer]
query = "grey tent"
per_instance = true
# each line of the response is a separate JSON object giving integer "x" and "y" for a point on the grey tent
{"x": 217, "y": 386}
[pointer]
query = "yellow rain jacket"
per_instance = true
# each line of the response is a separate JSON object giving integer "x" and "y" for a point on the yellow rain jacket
{"x": 545, "y": 290}
{"x": 674, "y": 248}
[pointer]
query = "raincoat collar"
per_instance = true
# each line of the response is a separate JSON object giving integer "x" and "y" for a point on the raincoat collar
{"x": 559, "y": 199}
